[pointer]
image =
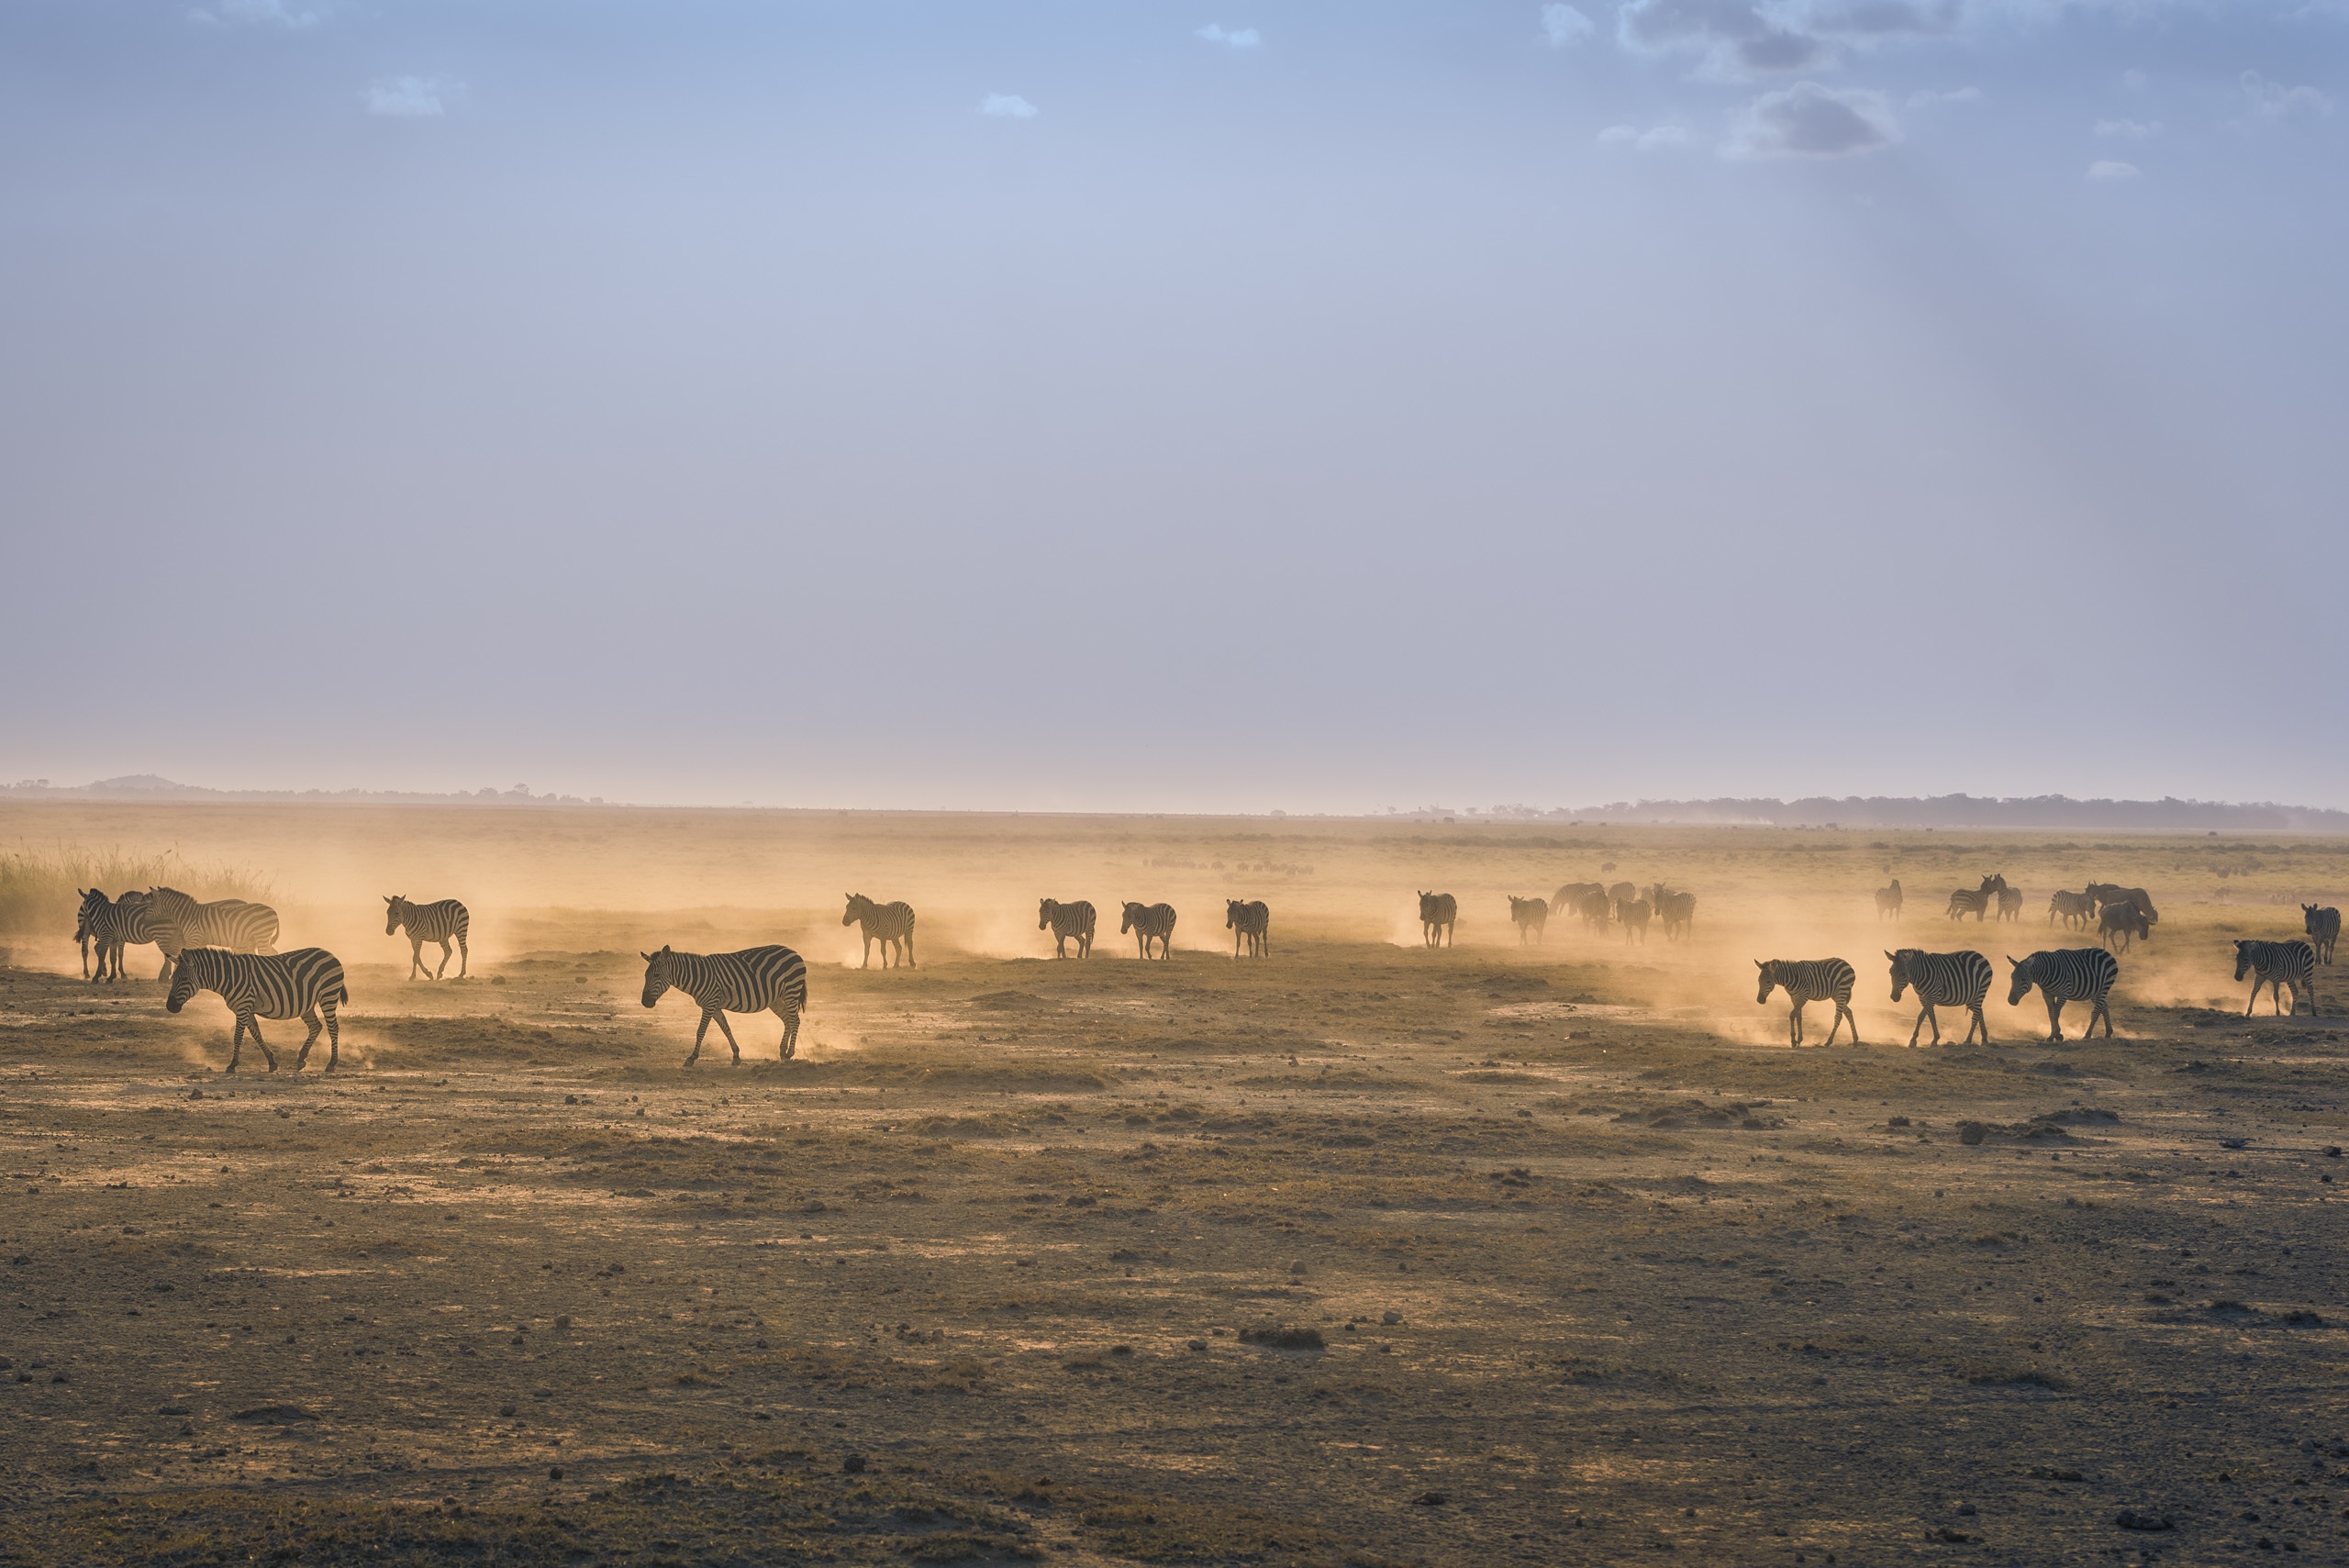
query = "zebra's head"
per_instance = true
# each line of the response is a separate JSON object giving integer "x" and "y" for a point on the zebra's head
{"x": 187, "y": 978}
{"x": 1133, "y": 912}
{"x": 2243, "y": 959}
{"x": 395, "y": 912}
{"x": 1231, "y": 908}
{"x": 656, "y": 974}
{"x": 1901, "y": 980}
{"x": 2023, "y": 978}
{"x": 859, "y": 905}
{"x": 1427, "y": 907}
{"x": 1044, "y": 910}
{"x": 1769, "y": 977}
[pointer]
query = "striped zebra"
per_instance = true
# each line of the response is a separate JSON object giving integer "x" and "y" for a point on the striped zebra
{"x": 1571, "y": 895}
{"x": 2277, "y": 966}
{"x": 1967, "y": 901}
{"x": 430, "y": 923}
{"x": 1677, "y": 911}
{"x": 2011, "y": 904}
{"x": 110, "y": 925}
{"x": 2067, "y": 974}
{"x": 302, "y": 985}
{"x": 2075, "y": 909}
{"x": 1620, "y": 892}
{"x": 891, "y": 925}
{"x": 1149, "y": 923}
{"x": 1530, "y": 915}
{"x": 1592, "y": 906}
{"x": 1252, "y": 922}
{"x": 1067, "y": 922}
{"x": 1633, "y": 918}
{"x": 755, "y": 980}
{"x": 230, "y": 923}
{"x": 2323, "y": 927}
{"x": 1888, "y": 901}
{"x": 1439, "y": 912}
{"x": 1943, "y": 979}
{"x": 1809, "y": 980}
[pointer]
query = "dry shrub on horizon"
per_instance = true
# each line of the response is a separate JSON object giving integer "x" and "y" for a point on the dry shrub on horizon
{"x": 38, "y": 888}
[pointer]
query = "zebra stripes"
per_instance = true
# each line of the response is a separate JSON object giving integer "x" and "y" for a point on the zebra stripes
{"x": 2067, "y": 974}
{"x": 1808, "y": 980}
{"x": 1067, "y": 921}
{"x": 1967, "y": 901}
{"x": 1632, "y": 914}
{"x": 230, "y": 923}
{"x": 1677, "y": 911}
{"x": 1572, "y": 896}
{"x": 2011, "y": 904}
{"x": 430, "y": 923}
{"x": 2277, "y": 966}
{"x": 1888, "y": 901}
{"x": 891, "y": 925}
{"x": 2075, "y": 909}
{"x": 1251, "y": 922}
{"x": 302, "y": 983}
{"x": 1439, "y": 912}
{"x": 1150, "y": 923}
{"x": 2323, "y": 927}
{"x": 1530, "y": 915}
{"x": 110, "y": 924}
{"x": 755, "y": 980}
{"x": 1943, "y": 979}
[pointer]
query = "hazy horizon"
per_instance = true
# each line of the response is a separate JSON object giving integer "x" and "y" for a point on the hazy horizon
{"x": 1051, "y": 407}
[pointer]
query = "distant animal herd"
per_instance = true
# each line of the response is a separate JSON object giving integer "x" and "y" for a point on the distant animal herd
{"x": 228, "y": 946}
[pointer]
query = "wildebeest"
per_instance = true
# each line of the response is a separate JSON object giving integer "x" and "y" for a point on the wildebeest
{"x": 1531, "y": 915}
{"x": 1439, "y": 912}
{"x": 2122, "y": 919}
{"x": 1066, "y": 921}
{"x": 1888, "y": 900}
{"x": 1677, "y": 911}
{"x": 2107, "y": 894}
{"x": 1809, "y": 980}
{"x": 1150, "y": 922}
{"x": 1252, "y": 922}
{"x": 2323, "y": 927}
{"x": 1633, "y": 918}
{"x": 2075, "y": 909}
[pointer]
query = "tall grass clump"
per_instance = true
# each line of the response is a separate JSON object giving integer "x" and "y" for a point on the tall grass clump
{"x": 37, "y": 887}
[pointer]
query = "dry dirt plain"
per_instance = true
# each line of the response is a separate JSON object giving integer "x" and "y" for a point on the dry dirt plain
{"x": 1362, "y": 1254}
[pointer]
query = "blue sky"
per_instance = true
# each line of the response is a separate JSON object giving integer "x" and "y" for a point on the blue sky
{"x": 1155, "y": 406}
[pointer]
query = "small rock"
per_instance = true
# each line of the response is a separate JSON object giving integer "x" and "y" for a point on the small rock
{"x": 1390, "y": 1318}
{"x": 853, "y": 1466}
{"x": 2130, "y": 1519}
{"x": 1197, "y": 1344}
{"x": 570, "y": 1100}
{"x": 554, "y": 1472}
{"x": 195, "y": 1093}
{"x": 1431, "y": 1499}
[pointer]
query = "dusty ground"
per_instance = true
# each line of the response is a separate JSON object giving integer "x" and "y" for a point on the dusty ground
{"x": 1359, "y": 1254}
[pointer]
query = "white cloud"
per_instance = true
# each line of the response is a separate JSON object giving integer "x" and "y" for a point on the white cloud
{"x": 2129, "y": 130}
{"x": 1231, "y": 38}
{"x": 1656, "y": 138}
{"x": 2274, "y": 102}
{"x": 255, "y": 12}
{"x": 1810, "y": 121}
{"x": 1562, "y": 25}
{"x": 1008, "y": 106}
{"x": 2108, "y": 169}
{"x": 411, "y": 97}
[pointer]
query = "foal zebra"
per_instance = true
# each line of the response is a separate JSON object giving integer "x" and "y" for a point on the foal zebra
{"x": 755, "y": 980}
{"x": 1066, "y": 921}
{"x": 1439, "y": 912}
{"x": 1530, "y": 915}
{"x": 430, "y": 923}
{"x": 891, "y": 925}
{"x": 1149, "y": 923}
{"x": 301, "y": 984}
{"x": 2323, "y": 927}
{"x": 1252, "y": 922}
{"x": 1809, "y": 980}
{"x": 2067, "y": 974}
{"x": 2277, "y": 966}
{"x": 1943, "y": 979}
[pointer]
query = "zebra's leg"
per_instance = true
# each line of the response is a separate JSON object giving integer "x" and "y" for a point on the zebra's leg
{"x": 790, "y": 1029}
{"x": 1837, "y": 1022}
{"x": 1854, "y": 1020}
{"x": 2055, "y": 1019}
{"x": 728, "y": 1030}
{"x": 698, "y": 1032}
{"x": 909, "y": 951}
{"x": 1919, "y": 1024}
{"x": 2247, "y": 1007}
{"x": 1980, "y": 1023}
{"x": 317, "y": 1027}
{"x": 445, "y": 956}
{"x": 1794, "y": 1025}
{"x": 334, "y": 1033}
{"x": 237, "y": 1043}
{"x": 268, "y": 1055}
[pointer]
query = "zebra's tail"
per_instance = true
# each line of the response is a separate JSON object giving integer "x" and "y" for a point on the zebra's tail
{"x": 342, "y": 995}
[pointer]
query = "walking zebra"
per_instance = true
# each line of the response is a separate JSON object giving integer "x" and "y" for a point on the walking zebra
{"x": 2067, "y": 974}
{"x": 1571, "y": 895}
{"x": 2123, "y": 919}
{"x": 1809, "y": 980}
{"x": 1439, "y": 912}
{"x": 1633, "y": 918}
{"x": 1677, "y": 911}
{"x": 230, "y": 923}
{"x": 1888, "y": 901}
{"x": 1252, "y": 922}
{"x": 430, "y": 923}
{"x": 891, "y": 925}
{"x": 1620, "y": 892}
{"x": 1066, "y": 921}
{"x": 110, "y": 925}
{"x": 301, "y": 984}
{"x": 1530, "y": 915}
{"x": 1150, "y": 922}
{"x": 2277, "y": 966}
{"x": 1591, "y": 905}
{"x": 2011, "y": 904}
{"x": 1943, "y": 979}
{"x": 2323, "y": 927}
{"x": 2075, "y": 909}
{"x": 1967, "y": 901}
{"x": 755, "y": 980}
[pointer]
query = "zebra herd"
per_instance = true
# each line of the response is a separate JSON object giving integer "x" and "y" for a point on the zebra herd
{"x": 1951, "y": 980}
{"x": 1599, "y": 905}
{"x": 2120, "y": 915}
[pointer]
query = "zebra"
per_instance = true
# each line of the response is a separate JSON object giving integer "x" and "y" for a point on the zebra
{"x": 2123, "y": 919}
{"x": 1809, "y": 980}
{"x": 891, "y": 925}
{"x": 2323, "y": 927}
{"x": 1620, "y": 892}
{"x": 1252, "y": 922}
{"x": 2011, "y": 904}
{"x": 1633, "y": 917}
{"x": 1588, "y": 901}
{"x": 111, "y": 924}
{"x": 231, "y": 923}
{"x": 1888, "y": 901}
{"x": 1571, "y": 895}
{"x": 2067, "y": 974}
{"x": 1066, "y": 921}
{"x": 430, "y": 923}
{"x": 1530, "y": 915}
{"x": 1676, "y": 910}
{"x": 1150, "y": 922}
{"x": 755, "y": 980}
{"x": 2072, "y": 909}
{"x": 1943, "y": 979}
{"x": 2277, "y": 966}
{"x": 302, "y": 985}
{"x": 1439, "y": 912}
{"x": 1967, "y": 901}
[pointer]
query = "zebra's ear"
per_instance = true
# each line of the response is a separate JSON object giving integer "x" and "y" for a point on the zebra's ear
{"x": 2011, "y": 960}
{"x": 1759, "y": 964}
{"x": 1890, "y": 954}
{"x": 645, "y": 956}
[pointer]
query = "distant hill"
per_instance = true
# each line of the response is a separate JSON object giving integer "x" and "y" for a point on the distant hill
{"x": 2037, "y": 811}
{"x": 148, "y": 786}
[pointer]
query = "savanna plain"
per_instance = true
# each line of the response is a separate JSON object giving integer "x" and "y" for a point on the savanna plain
{"x": 1360, "y": 1253}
